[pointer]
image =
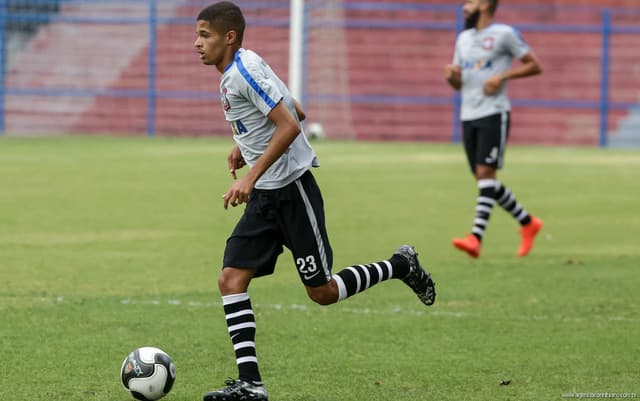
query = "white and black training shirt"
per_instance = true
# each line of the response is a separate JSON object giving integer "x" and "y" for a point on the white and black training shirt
{"x": 482, "y": 55}
{"x": 249, "y": 90}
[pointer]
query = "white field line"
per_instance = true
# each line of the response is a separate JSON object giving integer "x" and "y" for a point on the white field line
{"x": 85, "y": 237}
{"x": 390, "y": 311}
{"x": 369, "y": 311}
{"x": 563, "y": 158}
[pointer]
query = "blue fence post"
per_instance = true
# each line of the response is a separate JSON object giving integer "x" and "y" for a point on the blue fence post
{"x": 457, "y": 100}
{"x": 3, "y": 60}
{"x": 604, "y": 77}
{"x": 151, "y": 90}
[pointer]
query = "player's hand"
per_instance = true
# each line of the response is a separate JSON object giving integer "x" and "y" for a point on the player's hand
{"x": 493, "y": 85}
{"x": 452, "y": 72}
{"x": 238, "y": 193}
{"x": 235, "y": 161}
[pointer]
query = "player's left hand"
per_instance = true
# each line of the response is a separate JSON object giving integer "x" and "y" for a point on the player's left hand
{"x": 238, "y": 193}
{"x": 235, "y": 161}
{"x": 493, "y": 85}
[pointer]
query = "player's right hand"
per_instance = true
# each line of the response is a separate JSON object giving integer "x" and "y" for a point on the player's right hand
{"x": 238, "y": 193}
{"x": 452, "y": 71}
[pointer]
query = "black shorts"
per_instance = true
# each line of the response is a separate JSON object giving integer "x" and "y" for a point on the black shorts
{"x": 485, "y": 140}
{"x": 292, "y": 216}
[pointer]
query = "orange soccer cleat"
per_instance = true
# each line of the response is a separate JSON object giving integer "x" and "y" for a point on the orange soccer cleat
{"x": 528, "y": 234}
{"x": 469, "y": 244}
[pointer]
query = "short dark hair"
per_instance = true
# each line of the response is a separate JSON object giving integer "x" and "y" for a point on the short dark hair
{"x": 224, "y": 16}
{"x": 493, "y": 5}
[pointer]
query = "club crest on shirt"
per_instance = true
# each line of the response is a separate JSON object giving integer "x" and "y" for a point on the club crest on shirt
{"x": 225, "y": 101}
{"x": 487, "y": 42}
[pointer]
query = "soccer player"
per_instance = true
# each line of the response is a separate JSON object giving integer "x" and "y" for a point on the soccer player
{"x": 482, "y": 65}
{"x": 284, "y": 205}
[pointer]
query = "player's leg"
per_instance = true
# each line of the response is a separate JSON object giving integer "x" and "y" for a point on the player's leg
{"x": 233, "y": 283}
{"x": 489, "y": 152}
{"x": 308, "y": 240}
{"x": 504, "y": 197}
{"x": 251, "y": 251}
{"x": 472, "y": 141}
{"x": 492, "y": 139}
{"x": 530, "y": 225}
{"x": 486, "y": 183}
{"x": 403, "y": 264}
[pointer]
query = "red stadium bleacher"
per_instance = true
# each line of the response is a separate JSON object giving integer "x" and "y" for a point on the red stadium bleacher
{"x": 367, "y": 81}
{"x": 179, "y": 71}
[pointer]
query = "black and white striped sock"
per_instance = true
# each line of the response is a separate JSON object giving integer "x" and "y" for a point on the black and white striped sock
{"x": 357, "y": 278}
{"x": 507, "y": 200}
{"x": 242, "y": 330}
{"x": 484, "y": 206}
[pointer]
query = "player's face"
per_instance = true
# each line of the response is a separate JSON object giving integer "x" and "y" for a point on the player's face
{"x": 210, "y": 44}
{"x": 471, "y": 12}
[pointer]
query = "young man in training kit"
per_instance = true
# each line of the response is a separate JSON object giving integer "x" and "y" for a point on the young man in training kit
{"x": 481, "y": 68}
{"x": 284, "y": 206}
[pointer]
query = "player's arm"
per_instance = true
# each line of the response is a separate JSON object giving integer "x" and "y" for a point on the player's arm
{"x": 453, "y": 75}
{"x": 287, "y": 129}
{"x": 529, "y": 66}
{"x": 299, "y": 110}
{"x": 453, "y": 72}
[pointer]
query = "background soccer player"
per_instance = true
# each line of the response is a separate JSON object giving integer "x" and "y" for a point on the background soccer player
{"x": 482, "y": 65}
{"x": 284, "y": 206}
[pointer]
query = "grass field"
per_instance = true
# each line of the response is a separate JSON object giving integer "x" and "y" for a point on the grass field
{"x": 108, "y": 244}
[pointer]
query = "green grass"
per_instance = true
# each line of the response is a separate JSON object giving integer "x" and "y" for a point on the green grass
{"x": 108, "y": 244}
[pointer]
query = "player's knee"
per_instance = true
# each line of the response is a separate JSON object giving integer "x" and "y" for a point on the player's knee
{"x": 233, "y": 281}
{"x": 322, "y": 295}
{"x": 483, "y": 172}
{"x": 322, "y": 299}
{"x": 224, "y": 283}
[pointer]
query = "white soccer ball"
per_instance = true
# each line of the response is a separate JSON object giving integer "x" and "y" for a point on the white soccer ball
{"x": 148, "y": 373}
{"x": 315, "y": 131}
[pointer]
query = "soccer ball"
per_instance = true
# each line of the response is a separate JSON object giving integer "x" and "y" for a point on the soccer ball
{"x": 315, "y": 131}
{"x": 148, "y": 373}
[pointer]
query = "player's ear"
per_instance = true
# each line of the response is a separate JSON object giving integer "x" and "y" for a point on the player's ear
{"x": 231, "y": 37}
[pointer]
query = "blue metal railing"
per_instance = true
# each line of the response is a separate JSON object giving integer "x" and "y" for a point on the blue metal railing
{"x": 457, "y": 98}
{"x": 603, "y": 105}
{"x": 3, "y": 60}
{"x": 152, "y": 95}
{"x": 604, "y": 76}
{"x": 606, "y": 28}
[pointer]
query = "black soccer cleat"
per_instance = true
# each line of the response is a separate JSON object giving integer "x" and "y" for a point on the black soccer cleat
{"x": 418, "y": 279}
{"x": 238, "y": 390}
